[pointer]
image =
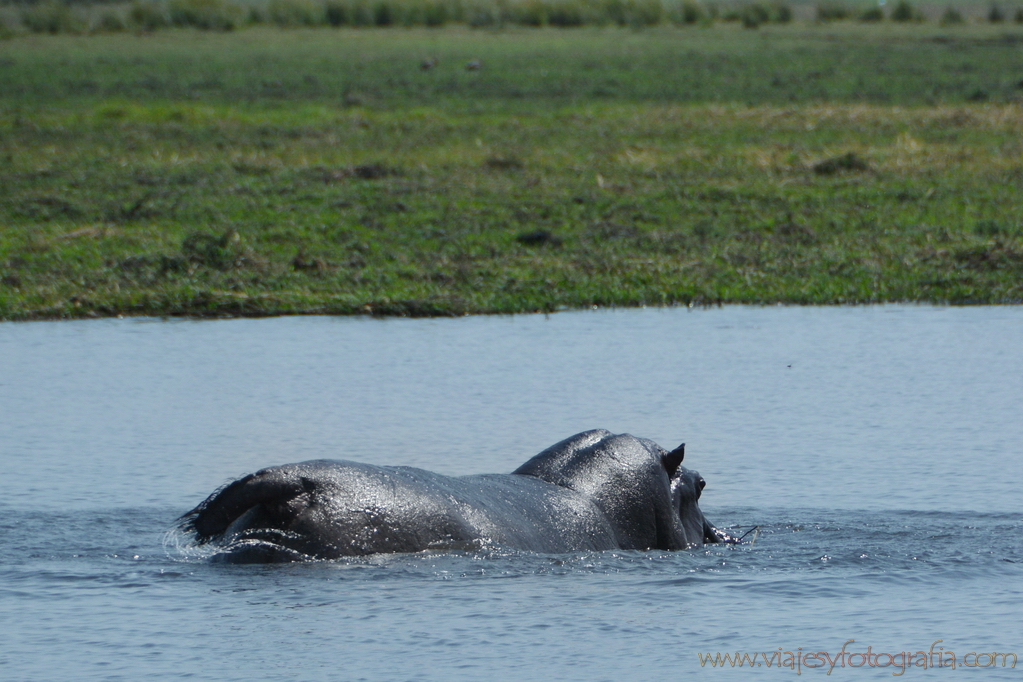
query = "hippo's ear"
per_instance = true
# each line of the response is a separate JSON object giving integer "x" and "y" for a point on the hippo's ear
{"x": 673, "y": 460}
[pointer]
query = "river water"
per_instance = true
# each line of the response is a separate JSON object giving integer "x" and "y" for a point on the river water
{"x": 877, "y": 448}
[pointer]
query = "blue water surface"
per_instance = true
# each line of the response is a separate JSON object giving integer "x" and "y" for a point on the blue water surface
{"x": 877, "y": 448}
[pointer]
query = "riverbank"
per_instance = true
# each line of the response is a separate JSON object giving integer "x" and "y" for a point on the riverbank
{"x": 320, "y": 171}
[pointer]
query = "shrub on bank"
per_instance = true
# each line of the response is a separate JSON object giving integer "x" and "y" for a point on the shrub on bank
{"x": 218, "y": 15}
{"x": 832, "y": 11}
{"x": 872, "y": 14}
{"x": 686, "y": 13}
{"x": 439, "y": 13}
{"x": 644, "y": 13}
{"x": 148, "y": 15}
{"x": 525, "y": 13}
{"x": 753, "y": 14}
{"x": 51, "y": 17}
{"x": 567, "y": 14}
{"x": 904, "y": 11}
{"x": 361, "y": 13}
{"x": 292, "y": 13}
{"x": 348, "y": 13}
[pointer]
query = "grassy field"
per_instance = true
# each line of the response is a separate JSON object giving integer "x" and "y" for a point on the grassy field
{"x": 325, "y": 171}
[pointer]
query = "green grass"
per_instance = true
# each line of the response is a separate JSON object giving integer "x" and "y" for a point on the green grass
{"x": 523, "y": 68}
{"x": 323, "y": 171}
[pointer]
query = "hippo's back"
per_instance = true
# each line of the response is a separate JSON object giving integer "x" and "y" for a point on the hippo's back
{"x": 334, "y": 508}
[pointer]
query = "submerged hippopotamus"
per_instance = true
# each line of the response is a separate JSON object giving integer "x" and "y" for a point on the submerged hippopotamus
{"x": 593, "y": 491}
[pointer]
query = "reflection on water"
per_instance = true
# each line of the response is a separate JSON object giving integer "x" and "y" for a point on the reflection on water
{"x": 878, "y": 448}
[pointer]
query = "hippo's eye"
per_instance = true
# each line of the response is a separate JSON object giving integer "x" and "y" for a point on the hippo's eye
{"x": 701, "y": 484}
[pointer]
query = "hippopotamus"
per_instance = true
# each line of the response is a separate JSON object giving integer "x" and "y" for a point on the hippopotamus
{"x": 593, "y": 491}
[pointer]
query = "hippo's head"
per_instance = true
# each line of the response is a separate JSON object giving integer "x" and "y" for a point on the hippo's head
{"x": 686, "y": 486}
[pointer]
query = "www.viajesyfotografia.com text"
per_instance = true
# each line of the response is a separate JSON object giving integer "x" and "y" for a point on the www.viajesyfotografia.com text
{"x": 934, "y": 657}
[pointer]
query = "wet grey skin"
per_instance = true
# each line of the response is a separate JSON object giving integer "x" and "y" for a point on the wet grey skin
{"x": 593, "y": 491}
